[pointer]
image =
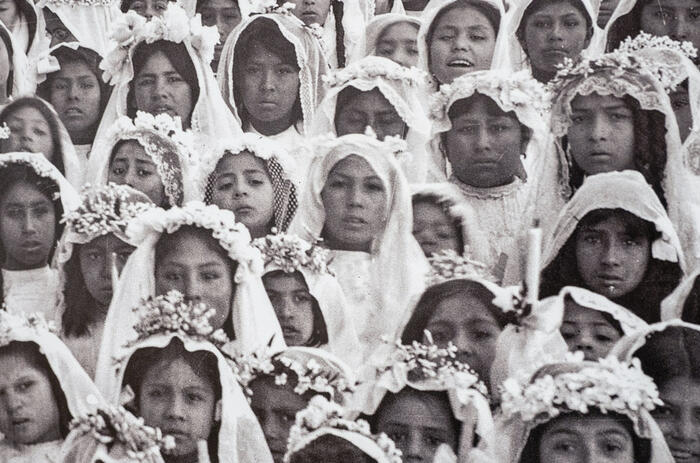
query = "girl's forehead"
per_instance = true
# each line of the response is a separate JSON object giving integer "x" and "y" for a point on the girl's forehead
{"x": 355, "y": 166}
{"x": 27, "y": 113}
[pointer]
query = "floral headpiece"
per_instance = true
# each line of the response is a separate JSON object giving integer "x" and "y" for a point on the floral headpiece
{"x": 171, "y": 313}
{"x": 174, "y": 25}
{"x": 607, "y": 385}
{"x": 321, "y": 415}
{"x": 372, "y": 67}
{"x": 271, "y": 6}
{"x": 4, "y": 131}
{"x": 39, "y": 164}
{"x": 164, "y": 125}
{"x": 115, "y": 425}
{"x": 291, "y": 253}
{"x": 11, "y": 323}
{"x": 448, "y": 265}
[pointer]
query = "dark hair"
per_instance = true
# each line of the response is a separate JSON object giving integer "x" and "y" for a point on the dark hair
{"x": 649, "y": 147}
{"x": 537, "y": 5}
{"x": 179, "y": 58}
{"x": 660, "y": 278}
{"x": 319, "y": 334}
{"x": 263, "y": 32}
{"x": 51, "y": 119}
{"x": 642, "y": 446}
{"x": 691, "y": 305}
{"x": 315, "y": 451}
{"x": 81, "y": 307}
{"x": 7, "y": 40}
{"x": 292, "y": 377}
{"x": 671, "y": 353}
{"x": 204, "y": 364}
{"x": 31, "y": 352}
{"x": 423, "y": 198}
{"x": 434, "y": 295}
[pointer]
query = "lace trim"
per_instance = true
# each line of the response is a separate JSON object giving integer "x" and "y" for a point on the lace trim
{"x": 488, "y": 193}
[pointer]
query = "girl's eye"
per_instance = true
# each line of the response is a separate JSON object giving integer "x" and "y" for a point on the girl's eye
{"x": 603, "y": 338}
{"x": 288, "y": 417}
{"x": 14, "y": 212}
{"x": 118, "y": 171}
{"x": 397, "y": 436}
{"x": 336, "y": 184}
{"x": 375, "y": 187}
{"x": 209, "y": 276}
{"x": 224, "y": 186}
{"x": 619, "y": 116}
{"x": 434, "y": 441}
{"x": 155, "y": 393}
{"x": 632, "y": 242}
{"x": 193, "y": 397}
{"x": 172, "y": 276}
{"x": 174, "y": 79}
{"x": 144, "y": 173}
{"x": 481, "y": 335}
{"x": 591, "y": 239}
{"x": 571, "y": 23}
{"x": 477, "y": 38}
{"x": 564, "y": 447}
{"x": 542, "y": 23}
{"x": 301, "y": 298}
{"x": 662, "y": 411}
{"x": 144, "y": 81}
{"x": 25, "y": 385}
{"x": 441, "y": 337}
{"x": 39, "y": 132}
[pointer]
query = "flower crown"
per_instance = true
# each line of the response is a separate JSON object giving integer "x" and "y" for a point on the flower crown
{"x": 4, "y": 131}
{"x": 448, "y": 265}
{"x": 291, "y": 253}
{"x": 111, "y": 425}
{"x": 372, "y": 67}
{"x": 320, "y": 414}
{"x": 38, "y": 163}
{"x": 171, "y": 313}
{"x": 271, "y": 7}
{"x": 10, "y": 323}
{"x": 174, "y": 25}
{"x": 607, "y": 385}
{"x": 163, "y": 125}
{"x": 106, "y": 209}
{"x": 74, "y": 3}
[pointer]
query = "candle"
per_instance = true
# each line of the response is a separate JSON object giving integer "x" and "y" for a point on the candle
{"x": 533, "y": 263}
{"x": 114, "y": 270}
{"x": 203, "y": 451}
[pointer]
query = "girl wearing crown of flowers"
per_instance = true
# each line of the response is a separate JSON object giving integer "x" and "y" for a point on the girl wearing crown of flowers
{"x": 670, "y": 353}
{"x": 255, "y": 179}
{"x": 33, "y": 196}
{"x": 377, "y": 93}
{"x": 393, "y": 36}
{"x": 43, "y": 388}
{"x": 356, "y": 199}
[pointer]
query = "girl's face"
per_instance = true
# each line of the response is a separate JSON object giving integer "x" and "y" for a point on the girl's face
{"x": 242, "y": 184}
{"x": 96, "y": 265}
{"x": 355, "y": 201}
{"x": 269, "y": 88}
{"x": 225, "y": 15}
{"x": 29, "y": 131}
{"x": 9, "y": 12}
{"x": 370, "y": 109}
{"x": 463, "y": 42}
{"x": 678, "y": 19}
{"x": 276, "y": 408}
{"x": 484, "y": 145}
{"x": 679, "y": 417}
{"x": 159, "y": 88}
{"x": 555, "y": 32}
{"x": 611, "y": 259}
{"x": 312, "y": 11}
{"x": 601, "y": 137}
{"x": 131, "y": 166}
{"x": 398, "y": 43}
{"x": 28, "y": 409}
{"x": 418, "y": 424}
{"x": 587, "y": 330}
{"x": 75, "y": 95}
{"x": 433, "y": 229}
{"x": 178, "y": 401}
{"x": 467, "y": 322}
{"x": 294, "y": 306}
{"x": 578, "y": 439}
{"x": 27, "y": 227}
{"x": 149, "y": 8}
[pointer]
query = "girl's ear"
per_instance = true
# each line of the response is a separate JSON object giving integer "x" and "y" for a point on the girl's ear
{"x": 217, "y": 411}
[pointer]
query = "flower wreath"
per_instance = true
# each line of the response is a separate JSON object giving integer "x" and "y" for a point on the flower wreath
{"x": 4, "y": 131}
{"x": 271, "y": 6}
{"x": 42, "y": 166}
{"x": 74, "y": 3}
{"x": 448, "y": 265}
{"x": 372, "y": 67}
{"x": 291, "y": 253}
{"x": 11, "y": 323}
{"x": 110, "y": 425}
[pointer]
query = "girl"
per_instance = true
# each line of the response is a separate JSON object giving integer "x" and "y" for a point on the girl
{"x": 43, "y": 388}
{"x": 150, "y": 154}
{"x": 356, "y": 199}
{"x": 33, "y": 196}
{"x": 306, "y": 296}
{"x": 273, "y": 86}
{"x": 459, "y": 36}
{"x": 92, "y": 251}
{"x": 283, "y": 384}
{"x": 574, "y": 410}
{"x": 669, "y": 353}
{"x": 622, "y": 246}
{"x": 377, "y": 93}
{"x": 323, "y": 432}
{"x": 35, "y": 127}
{"x": 392, "y": 36}
{"x": 146, "y": 8}
{"x": 253, "y": 178}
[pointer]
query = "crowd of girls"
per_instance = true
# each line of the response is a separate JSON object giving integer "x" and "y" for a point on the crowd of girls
{"x": 384, "y": 231}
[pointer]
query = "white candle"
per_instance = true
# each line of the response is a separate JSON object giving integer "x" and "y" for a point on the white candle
{"x": 203, "y": 451}
{"x": 533, "y": 263}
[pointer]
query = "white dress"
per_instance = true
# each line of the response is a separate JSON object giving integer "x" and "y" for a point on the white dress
{"x": 31, "y": 291}
{"x": 45, "y": 452}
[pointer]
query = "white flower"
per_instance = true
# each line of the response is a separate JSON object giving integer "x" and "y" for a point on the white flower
{"x": 125, "y": 28}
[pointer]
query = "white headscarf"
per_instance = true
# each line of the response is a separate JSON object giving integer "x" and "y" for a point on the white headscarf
{"x": 22, "y": 83}
{"x": 376, "y": 27}
{"x": 672, "y": 307}
{"x": 29, "y": 32}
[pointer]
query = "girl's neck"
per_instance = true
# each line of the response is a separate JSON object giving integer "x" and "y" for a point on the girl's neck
{"x": 19, "y": 267}
{"x": 340, "y": 246}
{"x": 269, "y": 128}
{"x": 543, "y": 76}
{"x": 84, "y": 137}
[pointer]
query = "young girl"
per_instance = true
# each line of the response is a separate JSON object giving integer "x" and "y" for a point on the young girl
{"x": 91, "y": 253}
{"x": 392, "y": 36}
{"x": 43, "y": 388}
{"x": 146, "y": 8}
{"x": 254, "y": 178}
{"x": 578, "y": 410}
{"x": 356, "y": 198}
{"x": 377, "y": 93}
{"x": 33, "y": 196}
{"x": 35, "y": 127}
{"x": 622, "y": 246}
{"x": 669, "y": 353}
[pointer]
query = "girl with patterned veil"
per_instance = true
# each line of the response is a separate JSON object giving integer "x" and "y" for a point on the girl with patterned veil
{"x": 91, "y": 252}
{"x": 622, "y": 246}
{"x": 56, "y": 389}
{"x": 357, "y": 200}
{"x": 391, "y": 35}
{"x": 307, "y": 298}
{"x": 375, "y": 92}
{"x": 151, "y": 154}
{"x": 33, "y": 197}
{"x": 279, "y": 105}
{"x": 173, "y": 375}
{"x": 254, "y": 178}
{"x": 162, "y": 66}
{"x": 669, "y": 352}
{"x": 202, "y": 252}
{"x": 281, "y": 384}
{"x": 25, "y": 22}
{"x": 576, "y": 408}
{"x": 14, "y": 74}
